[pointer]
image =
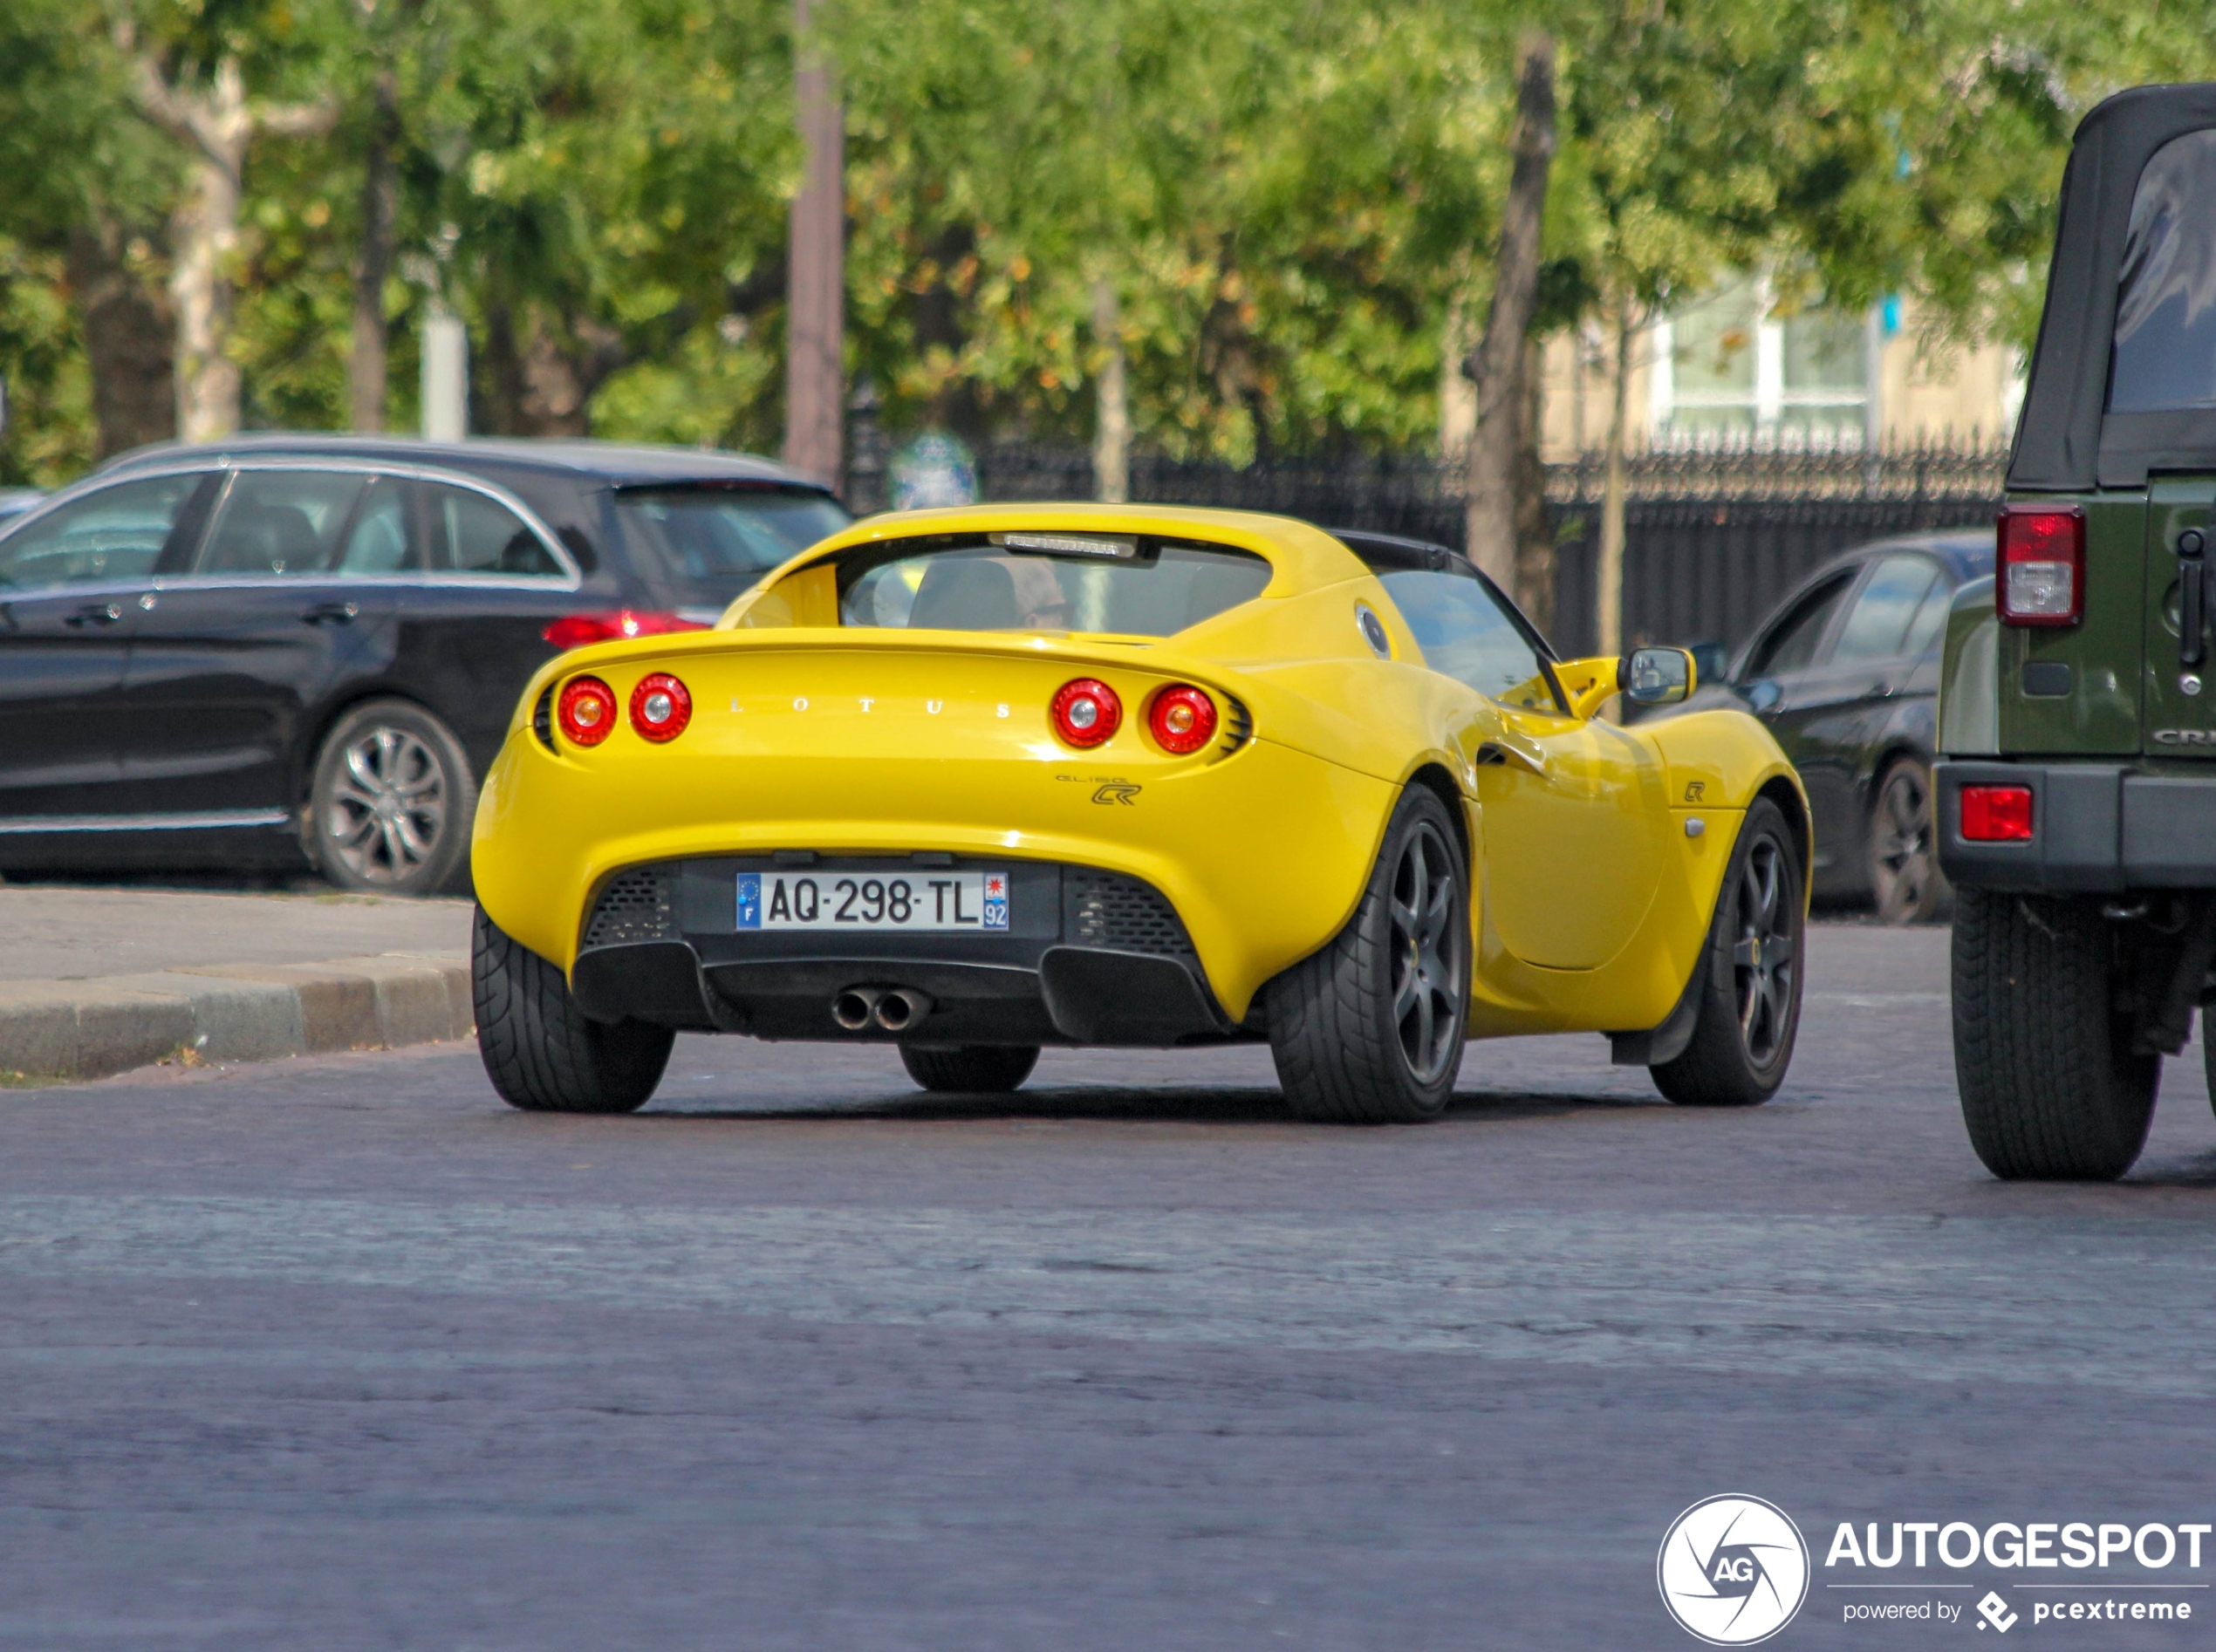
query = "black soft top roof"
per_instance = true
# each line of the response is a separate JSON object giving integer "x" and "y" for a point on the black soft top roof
{"x": 2067, "y": 441}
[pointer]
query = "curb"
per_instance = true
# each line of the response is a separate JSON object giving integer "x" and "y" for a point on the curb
{"x": 92, "y": 1028}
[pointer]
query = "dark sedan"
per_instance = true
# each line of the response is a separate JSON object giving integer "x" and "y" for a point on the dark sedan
{"x": 227, "y": 656}
{"x": 1846, "y": 673}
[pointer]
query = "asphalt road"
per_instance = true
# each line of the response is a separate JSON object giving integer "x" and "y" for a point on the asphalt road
{"x": 340, "y": 1353}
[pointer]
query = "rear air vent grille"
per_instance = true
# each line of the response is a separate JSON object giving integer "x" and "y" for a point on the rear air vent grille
{"x": 1107, "y": 909}
{"x": 1238, "y": 726}
{"x": 543, "y": 718}
{"x": 635, "y": 906}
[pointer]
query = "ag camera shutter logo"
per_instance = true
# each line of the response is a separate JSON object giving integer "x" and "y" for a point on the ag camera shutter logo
{"x": 1733, "y": 1570}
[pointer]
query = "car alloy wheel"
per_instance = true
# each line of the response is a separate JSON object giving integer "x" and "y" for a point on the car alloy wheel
{"x": 1902, "y": 844}
{"x": 1904, "y": 874}
{"x": 1426, "y": 946}
{"x": 387, "y": 809}
{"x": 1764, "y": 954}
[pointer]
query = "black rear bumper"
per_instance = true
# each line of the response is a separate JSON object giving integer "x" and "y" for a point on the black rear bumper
{"x": 1091, "y": 957}
{"x": 2096, "y": 828}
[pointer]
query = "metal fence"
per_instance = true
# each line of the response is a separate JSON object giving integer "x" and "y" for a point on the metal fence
{"x": 1715, "y": 535}
{"x": 1713, "y": 539}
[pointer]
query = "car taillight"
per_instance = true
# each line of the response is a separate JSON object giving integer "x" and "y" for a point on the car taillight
{"x": 1183, "y": 718}
{"x": 660, "y": 707}
{"x": 586, "y": 710}
{"x": 1996, "y": 814}
{"x": 2042, "y": 566}
{"x": 1085, "y": 713}
{"x": 577, "y": 630}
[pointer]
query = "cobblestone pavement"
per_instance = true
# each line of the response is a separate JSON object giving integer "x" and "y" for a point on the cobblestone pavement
{"x": 338, "y": 1352}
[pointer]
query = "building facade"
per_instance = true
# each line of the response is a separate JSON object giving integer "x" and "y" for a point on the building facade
{"x": 1739, "y": 367}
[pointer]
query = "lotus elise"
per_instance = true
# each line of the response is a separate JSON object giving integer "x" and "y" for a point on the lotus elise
{"x": 977, "y": 781}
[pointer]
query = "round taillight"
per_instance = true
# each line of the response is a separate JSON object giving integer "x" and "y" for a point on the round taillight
{"x": 1085, "y": 713}
{"x": 660, "y": 707}
{"x": 587, "y": 710}
{"x": 1182, "y": 719}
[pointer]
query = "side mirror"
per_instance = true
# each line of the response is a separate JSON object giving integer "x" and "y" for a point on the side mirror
{"x": 1656, "y": 676}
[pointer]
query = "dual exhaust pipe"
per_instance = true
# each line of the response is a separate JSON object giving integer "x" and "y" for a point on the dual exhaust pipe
{"x": 894, "y": 1008}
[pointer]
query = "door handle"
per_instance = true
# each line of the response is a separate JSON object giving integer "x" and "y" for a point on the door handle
{"x": 331, "y": 614}
{"x": 2192, "y": 575}
{"x": 1513, "y": 753}
{"x": 95, "y": 614}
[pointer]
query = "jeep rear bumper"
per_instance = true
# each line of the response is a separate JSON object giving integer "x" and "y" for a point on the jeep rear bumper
{"x": 2095, "y": 827}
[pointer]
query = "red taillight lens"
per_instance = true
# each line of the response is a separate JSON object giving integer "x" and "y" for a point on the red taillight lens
{"x": 1996, "y": 814}
{"x": 586, "y": 710}
{"x": 1182, "y": 719}
{"x": 1085, "y": 713}
{"x": 660, "y": 707}
{"x": 2041, "y": 566}
{"x": 579, "y": 629}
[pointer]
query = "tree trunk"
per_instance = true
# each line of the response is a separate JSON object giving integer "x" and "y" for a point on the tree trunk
{"x": 126, "y": 341}
{"x": 537, "y": 372}
{"x": 1610, "y": 595}
{"x": 1496, "y": 365}
{"x": 365, "y": 376}
{"x": 1457, "y": 396}
{"x": 219, "y": 124}
{"x": 1535, "y": 542}
{"x": 204, "y": 235}
{"x": 1111, "y": 415}
{"x": 815, "y": 377}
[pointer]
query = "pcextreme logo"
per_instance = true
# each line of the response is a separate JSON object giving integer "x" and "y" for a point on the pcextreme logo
{"x": 1733, "y": 1570}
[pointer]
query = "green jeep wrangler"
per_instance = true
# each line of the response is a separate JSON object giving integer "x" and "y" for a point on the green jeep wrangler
{"x": 2074, "y": 804}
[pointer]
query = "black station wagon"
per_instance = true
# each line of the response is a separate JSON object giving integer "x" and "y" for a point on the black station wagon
{"x": 227, "y": 656}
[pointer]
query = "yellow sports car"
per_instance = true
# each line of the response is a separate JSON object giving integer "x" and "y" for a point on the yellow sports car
{"x": 974, "y": 781}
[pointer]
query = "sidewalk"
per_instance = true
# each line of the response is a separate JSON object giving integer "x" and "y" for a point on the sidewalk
{"x": 96, "y": 981}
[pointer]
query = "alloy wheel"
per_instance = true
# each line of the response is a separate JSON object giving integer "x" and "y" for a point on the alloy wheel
{"x": 1900, "y": 846}
{"x": 1765, "y": 952}
{"x": 388, "y": 808}
{"x": 1427, "y": 949}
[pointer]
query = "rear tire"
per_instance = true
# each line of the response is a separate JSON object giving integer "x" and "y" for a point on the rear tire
{"x": 1750, "y": 998}
{"x": 2050, "y": 1088}
{"x": 543, "y": 1054}
{"x": 968, "y": 1070}
{"x": 1904, "y": 875}
{"x": 1370, "y": 1029}
{"x": 390, "y": 806}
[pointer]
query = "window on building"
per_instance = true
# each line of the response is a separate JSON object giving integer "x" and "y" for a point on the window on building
{"x": 1738, "y": 365}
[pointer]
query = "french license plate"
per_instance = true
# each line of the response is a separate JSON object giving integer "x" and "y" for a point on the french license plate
{"x": 859, "y": 900}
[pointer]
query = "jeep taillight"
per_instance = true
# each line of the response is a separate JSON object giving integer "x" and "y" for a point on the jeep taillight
{"x": 1996, "y": 814}
{"x": 2041, "y": 556}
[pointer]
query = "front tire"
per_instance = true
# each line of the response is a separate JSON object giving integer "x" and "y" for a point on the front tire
{"x": 2051, "y": 1089}
{"x": 968, "y": 1070}
{"x": 543, "y": 1054}
{"x": 1750, "y": 999}
{"x": 390, "y": 806}
{"x": 1370, "y": 1029}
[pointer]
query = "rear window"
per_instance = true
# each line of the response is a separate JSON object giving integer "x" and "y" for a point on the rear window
{"x": 2165, "y": 300}
{"x": 1132, "y": 586}
{"x": 708, "y": 544}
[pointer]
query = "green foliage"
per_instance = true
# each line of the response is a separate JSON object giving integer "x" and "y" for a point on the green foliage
{"x": 1287, "y": 199}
